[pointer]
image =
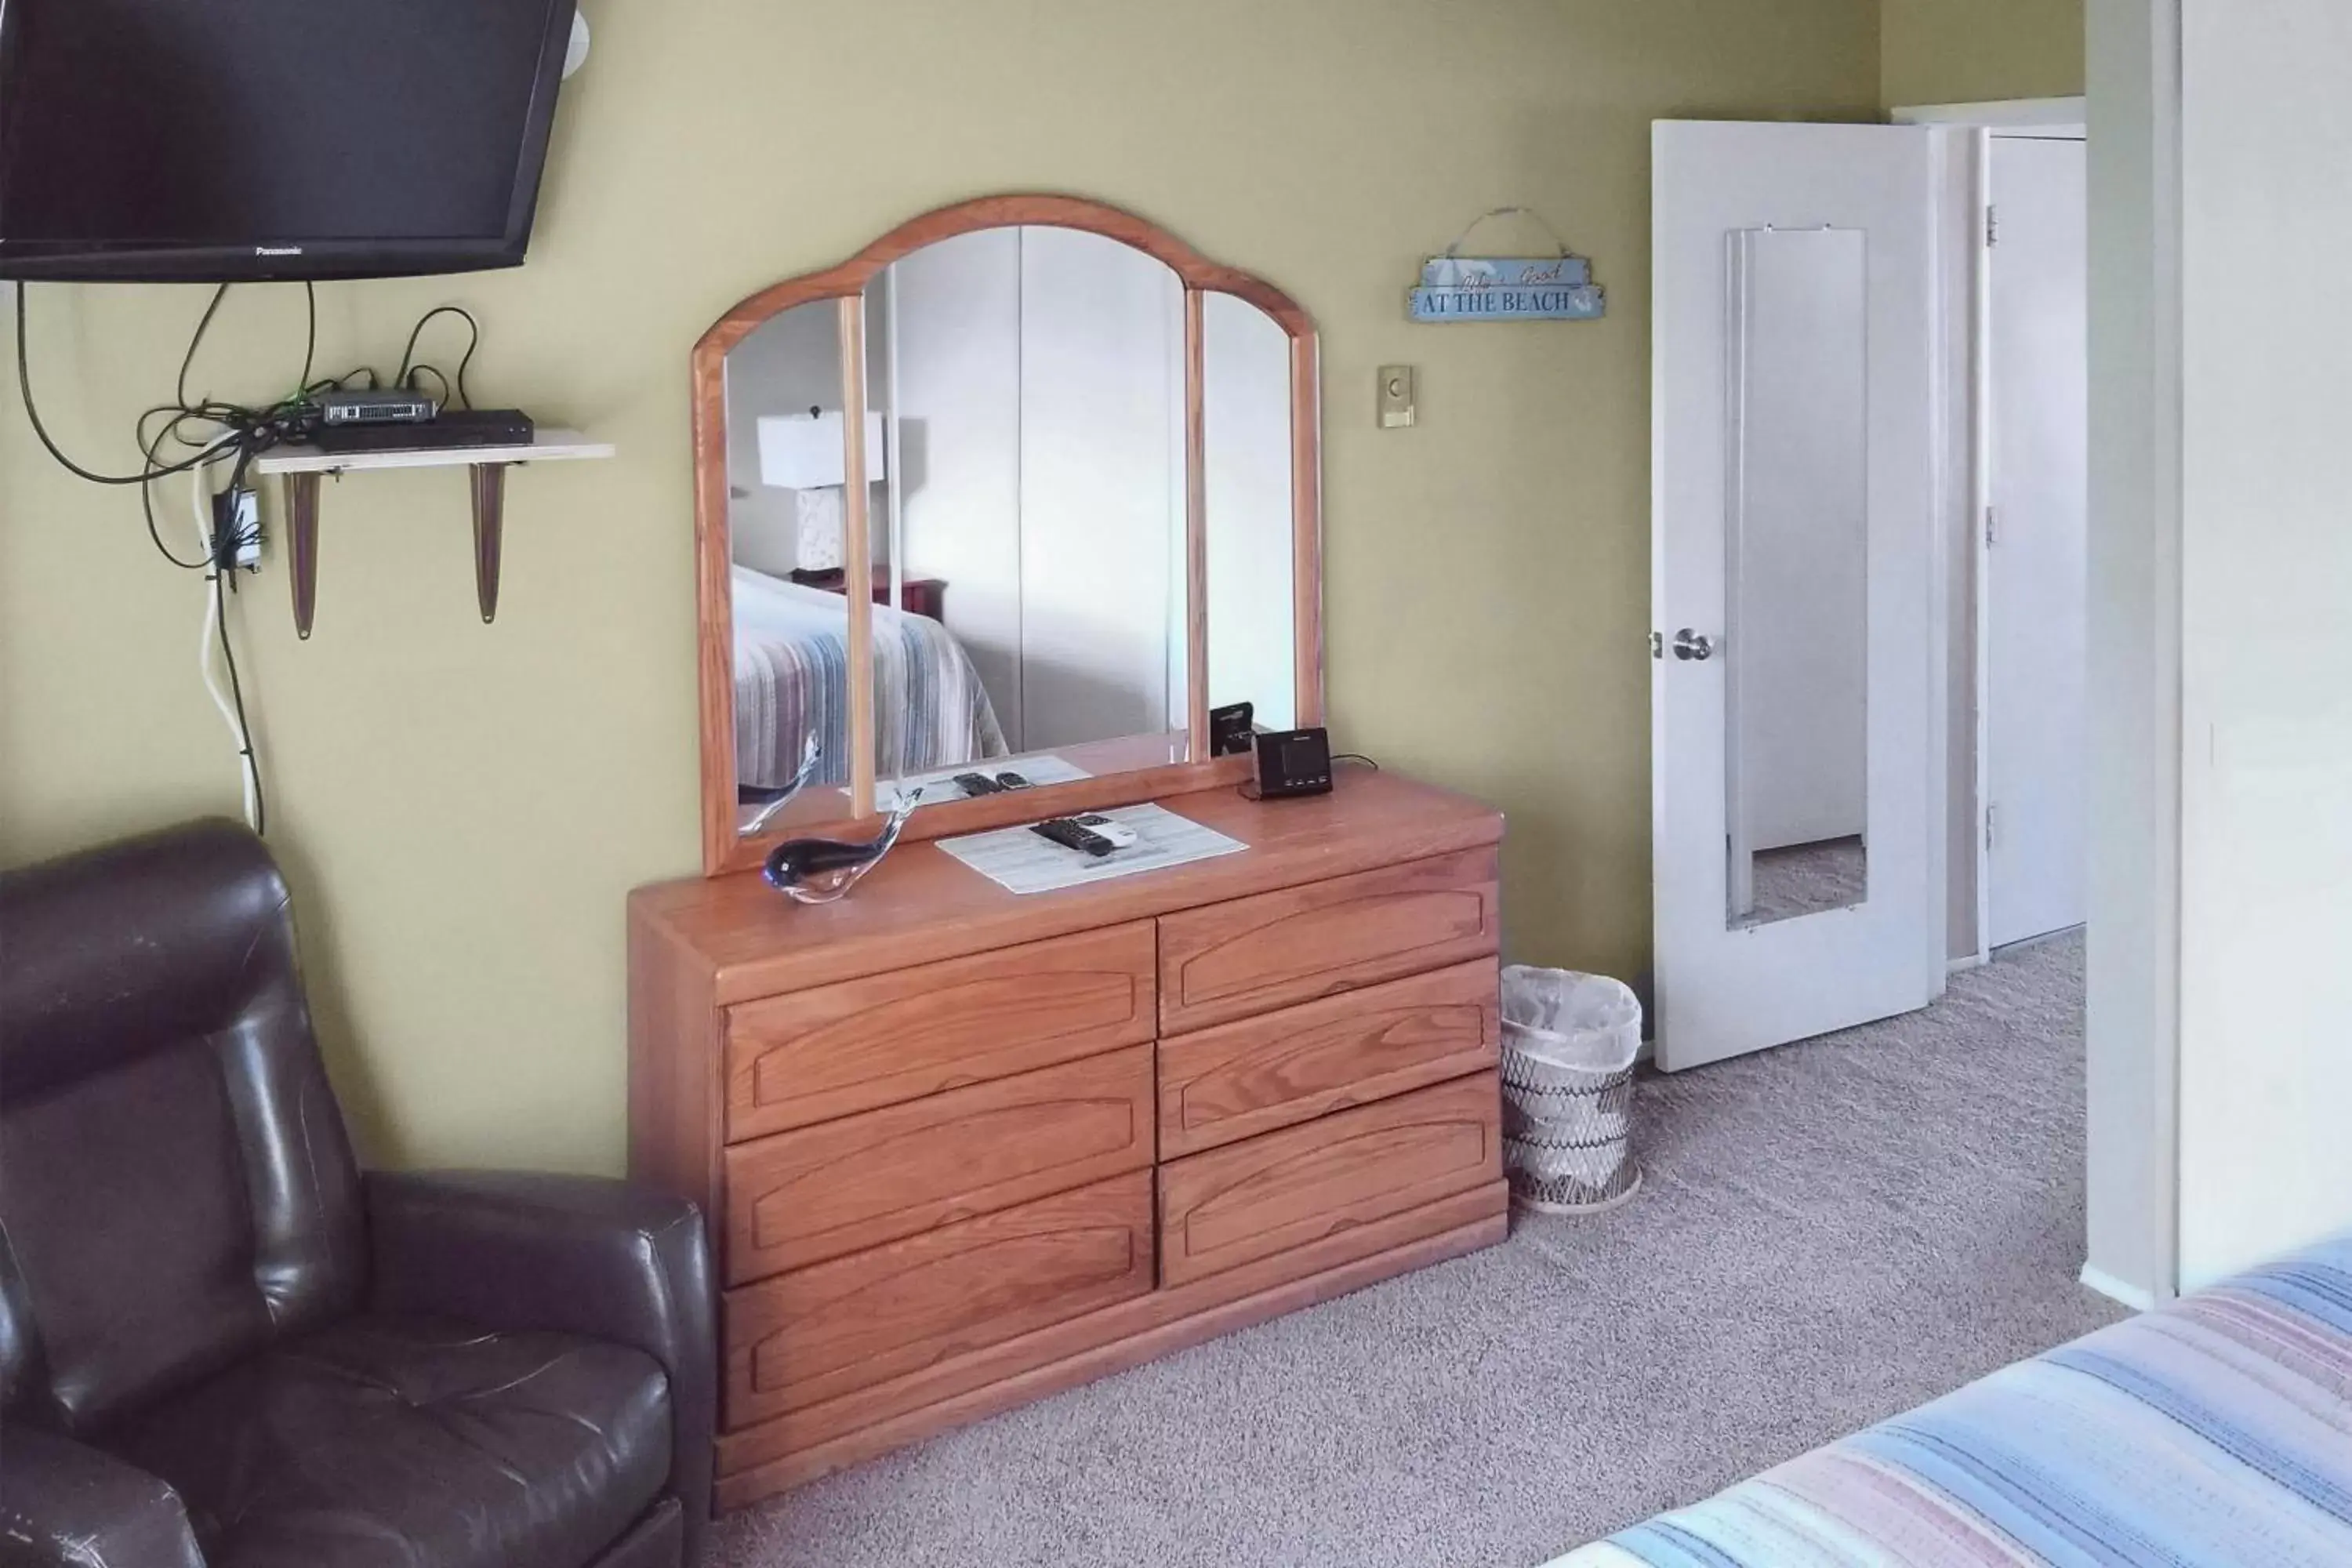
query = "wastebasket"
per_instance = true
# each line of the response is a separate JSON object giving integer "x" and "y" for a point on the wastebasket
{"x": 1569, "y": 1044}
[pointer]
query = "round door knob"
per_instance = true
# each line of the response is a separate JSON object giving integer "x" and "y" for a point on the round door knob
{"x": 1690, "y": 644}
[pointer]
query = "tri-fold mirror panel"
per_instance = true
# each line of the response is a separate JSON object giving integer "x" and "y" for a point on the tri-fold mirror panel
{"x": 1794, "y": 652}
{"x": 1085, "y": 518}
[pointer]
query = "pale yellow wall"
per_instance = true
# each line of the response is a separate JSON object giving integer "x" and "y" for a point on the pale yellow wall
{"x": 1975, "y": 51}
{"x": 462, "y": 808}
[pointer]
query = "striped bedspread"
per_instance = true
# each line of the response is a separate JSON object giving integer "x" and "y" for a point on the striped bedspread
{"x": 792, "y": 677}
{"x": 2218, "y": 1431}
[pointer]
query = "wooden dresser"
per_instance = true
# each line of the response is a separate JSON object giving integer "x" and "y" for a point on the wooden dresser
{"x": 961, "y": 1149}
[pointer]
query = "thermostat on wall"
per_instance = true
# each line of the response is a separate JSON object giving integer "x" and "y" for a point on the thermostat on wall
{"x": 1396, "y": 396}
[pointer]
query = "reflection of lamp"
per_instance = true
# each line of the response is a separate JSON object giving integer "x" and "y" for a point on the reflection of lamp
{"x": 803, "y": 453}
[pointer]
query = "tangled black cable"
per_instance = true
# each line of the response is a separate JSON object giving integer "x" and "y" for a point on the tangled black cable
{"x": 246, "y": 431}
{"x": 148, "y": 475}
{"x": 405, "y": 376}
{"x": 234, "y": 427}
{"x": 213, "y": 429}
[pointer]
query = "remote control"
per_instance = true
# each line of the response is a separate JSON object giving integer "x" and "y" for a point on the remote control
{"x": 1104, "y": 827}
{"x": 1065, "y": 832}
{"x": 974, "y": 785}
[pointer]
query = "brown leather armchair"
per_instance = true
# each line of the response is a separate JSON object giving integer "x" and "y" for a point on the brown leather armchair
{"x": 223, "y": 1346}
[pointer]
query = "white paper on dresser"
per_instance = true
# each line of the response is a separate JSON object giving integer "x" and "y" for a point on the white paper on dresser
{"x": 1024, "y": 862}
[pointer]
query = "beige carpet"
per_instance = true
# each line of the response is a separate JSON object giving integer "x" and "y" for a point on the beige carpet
{"x": 1830, "y": 1234}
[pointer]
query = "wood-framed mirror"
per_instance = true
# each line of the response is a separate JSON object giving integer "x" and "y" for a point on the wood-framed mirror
{"x": 1014, "y": 497}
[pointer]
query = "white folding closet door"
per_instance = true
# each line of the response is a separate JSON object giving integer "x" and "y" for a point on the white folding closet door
{"x": 956, "y": 336}
{"x": 1035, "y": 377}
{"x": 1102, "y": 494}
{"x": 2036, "y": 586}
{"x": 1795, "y": 342}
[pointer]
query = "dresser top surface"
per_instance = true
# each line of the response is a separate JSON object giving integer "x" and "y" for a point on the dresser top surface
{"x": 922, "y": 904}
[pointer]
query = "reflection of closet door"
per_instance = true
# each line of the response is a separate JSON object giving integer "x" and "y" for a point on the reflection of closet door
{"x": 957, "y": 315}
{"x": 1798, "y": 831}
{"x": 1102, "y": 460}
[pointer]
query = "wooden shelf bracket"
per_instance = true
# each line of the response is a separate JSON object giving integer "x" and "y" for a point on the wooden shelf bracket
{"x": 490, "y": 528}
{"x": 302, "y": 548}
{"x": 301, "y": 468}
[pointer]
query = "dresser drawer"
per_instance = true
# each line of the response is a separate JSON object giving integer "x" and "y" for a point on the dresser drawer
{"x": 813, "y": 1055}
{"x": 1229, "y": 960}
{"x": 799, "y": 1197}
{"x": 821, "y": 1332}
{"x": 1219, "y": 1086}
{"x": 1287, "y": 1189}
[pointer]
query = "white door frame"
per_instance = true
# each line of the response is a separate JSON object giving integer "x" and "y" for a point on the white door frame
{"x": 1968, "y": 426}
{"x": 2067, "y": 119}
{"x": 2132, "y": 1170}
{"x": 2133, "y": 1019}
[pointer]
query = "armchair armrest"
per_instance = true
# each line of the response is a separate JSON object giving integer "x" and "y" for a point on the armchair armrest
{"x": 63, "y": 1505}
{"x": 605, "y": 1260}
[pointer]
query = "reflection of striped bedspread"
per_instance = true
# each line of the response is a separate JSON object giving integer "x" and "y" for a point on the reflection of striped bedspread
{"x": 2218, "y": 1431}
{"x": 792, "y": 677}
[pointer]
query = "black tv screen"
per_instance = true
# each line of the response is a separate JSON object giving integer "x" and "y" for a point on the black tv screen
{"x": 220, "y": 140}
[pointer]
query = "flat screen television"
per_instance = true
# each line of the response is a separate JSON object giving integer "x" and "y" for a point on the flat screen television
{"x": 217, "y": 141}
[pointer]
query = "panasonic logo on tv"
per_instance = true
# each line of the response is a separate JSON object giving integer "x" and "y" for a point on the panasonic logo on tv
{"x": 277, "y": 250}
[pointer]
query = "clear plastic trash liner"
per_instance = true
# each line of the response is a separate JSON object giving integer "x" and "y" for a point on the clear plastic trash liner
{"x": 1569, "y": 1044}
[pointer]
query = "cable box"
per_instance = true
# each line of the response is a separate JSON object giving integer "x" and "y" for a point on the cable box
{"x": 457, "y": 428}
{"x": 377, "y": 409}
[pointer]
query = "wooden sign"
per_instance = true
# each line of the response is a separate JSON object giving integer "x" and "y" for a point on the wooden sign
{"x": 1507, "y": 289}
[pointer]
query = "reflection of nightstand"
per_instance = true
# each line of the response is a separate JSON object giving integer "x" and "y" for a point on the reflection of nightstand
{"x": 924, "y": 596}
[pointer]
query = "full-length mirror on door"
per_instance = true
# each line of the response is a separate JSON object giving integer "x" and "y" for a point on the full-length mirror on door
{"x": 1005, "y": 504}
{"x": 1796, "y": 568}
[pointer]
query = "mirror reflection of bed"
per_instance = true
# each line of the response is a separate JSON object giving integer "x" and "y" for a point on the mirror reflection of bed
{"x": 791, "y": 683}
{"x": 1024, "y": 423}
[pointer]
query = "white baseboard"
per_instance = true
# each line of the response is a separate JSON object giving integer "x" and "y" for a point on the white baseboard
{"x": 1962, "y": 966}
{"x": 2115, "y": 1290}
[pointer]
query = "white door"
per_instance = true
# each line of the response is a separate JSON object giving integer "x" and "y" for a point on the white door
{"x": 2036, "y": 594}
{"x": 1797, "y": 831}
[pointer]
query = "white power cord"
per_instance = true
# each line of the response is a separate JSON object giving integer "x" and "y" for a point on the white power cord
{"x": 208, "y": 650}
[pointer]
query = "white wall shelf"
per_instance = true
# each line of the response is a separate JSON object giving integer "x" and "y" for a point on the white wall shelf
{"x": 300, "y": 467}
{"x": 546, "y": 447}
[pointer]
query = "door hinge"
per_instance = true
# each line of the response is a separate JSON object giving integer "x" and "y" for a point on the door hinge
{"x": 1992, "y": 226}
{"x": 1992, "y": 525}
{"x": 1992, "y": 827}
